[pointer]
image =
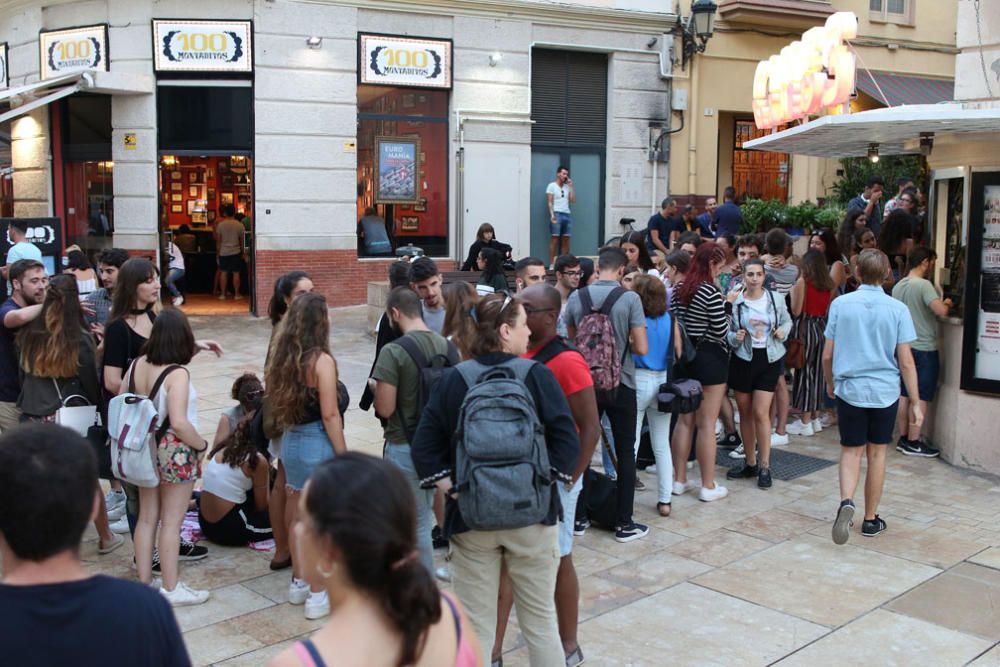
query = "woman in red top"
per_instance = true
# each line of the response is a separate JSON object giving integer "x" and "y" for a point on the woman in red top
{"x": 811, "y": 296}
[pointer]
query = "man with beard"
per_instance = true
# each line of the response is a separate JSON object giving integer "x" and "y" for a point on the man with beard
{"x": 29, "y": 282}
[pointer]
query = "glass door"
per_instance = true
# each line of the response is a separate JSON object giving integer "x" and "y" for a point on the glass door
{"x": 586, "y": 169}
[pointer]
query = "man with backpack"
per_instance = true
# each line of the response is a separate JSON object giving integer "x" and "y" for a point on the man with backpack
{"x": 607, "y": 324}
{"x": 404, "y": 369}
{"x": 495, "y": 437}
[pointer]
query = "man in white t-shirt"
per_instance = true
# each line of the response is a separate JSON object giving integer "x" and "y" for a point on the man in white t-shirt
{"x": 19, "y": 249}
{"x": 175, "y": 271}
{"x": 560, "y": 195}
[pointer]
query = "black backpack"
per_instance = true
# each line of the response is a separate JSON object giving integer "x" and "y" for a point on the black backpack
{"x": 429, "y": 372}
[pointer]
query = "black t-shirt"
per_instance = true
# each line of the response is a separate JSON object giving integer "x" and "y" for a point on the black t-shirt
{"x": 96, "y": 621}
{"x": 122, "y": 344}
{"x": 662, "y": 226}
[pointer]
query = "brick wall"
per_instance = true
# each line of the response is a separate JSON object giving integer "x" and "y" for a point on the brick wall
{"x": 337, "y": 274}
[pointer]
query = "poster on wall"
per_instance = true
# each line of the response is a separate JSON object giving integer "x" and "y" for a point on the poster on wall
{"x": 981, "y": 348}
{"x": 4, "y": 74}
{"x": 73, "y": 50}
{"x": 404, "y": 61}
{"x": 202, "y": 46}
{"x": 396, "y": 169}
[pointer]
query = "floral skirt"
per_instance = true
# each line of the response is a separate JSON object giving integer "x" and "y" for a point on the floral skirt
{"x": 178, "y": 462}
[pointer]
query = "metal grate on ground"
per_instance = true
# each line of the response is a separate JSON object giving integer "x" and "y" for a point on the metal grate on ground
{"x": 784, "y": 465}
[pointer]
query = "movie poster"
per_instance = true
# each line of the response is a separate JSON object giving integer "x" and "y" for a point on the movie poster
{"x": 988, "y": 339}
{"x": 397, "y": 170}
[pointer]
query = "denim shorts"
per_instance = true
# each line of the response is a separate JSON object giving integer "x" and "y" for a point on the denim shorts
{"x": 303, "y": 447}
{"x": 568, "y": 500}
{"x": 563, "y": 226}
{"x": 928, "y": 370}
{"x": 862, "y": 426}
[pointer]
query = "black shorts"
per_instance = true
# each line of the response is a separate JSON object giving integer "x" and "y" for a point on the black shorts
{"x": 710, "y": 365}
{"x": 754, "y": 375}
{"x": 231, "y": 263}
{"x": 861, "y": 426}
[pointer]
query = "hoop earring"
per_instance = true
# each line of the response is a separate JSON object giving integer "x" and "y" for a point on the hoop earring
{"x": 326, "y": 574}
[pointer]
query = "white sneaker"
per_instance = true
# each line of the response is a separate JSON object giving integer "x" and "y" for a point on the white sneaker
{"x": 817, "y": 425}
{"x": 778, "y": 439}
{"x": 651, "y": 469}
{"x": 182, "y": 596}
{"x": 798, "y": 428}
{"x": 317, "y": 605}
{"x": 178, "y": 300}
{"x": 120, "y": 526}
{"x": 114, "y": 500}
{"x": 680, "y": 488}
{"x": 738, "y": 453}
{"x": 298, "y": 591}
{"x": 736, "y": 416}
{"x": 690, "y": 465}
{"x": 708, "y": 495}
{"x": 718, "y": 429}
{"x": 116, "y": 513}
{"x": 443, "y": 574}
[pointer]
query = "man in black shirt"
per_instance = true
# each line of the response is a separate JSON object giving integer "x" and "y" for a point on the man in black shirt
{"x": 659, "y": 226}
{"x": 51, "y": 610}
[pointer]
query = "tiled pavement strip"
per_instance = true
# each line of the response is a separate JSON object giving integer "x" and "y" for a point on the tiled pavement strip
{"x": 750, "y": 580}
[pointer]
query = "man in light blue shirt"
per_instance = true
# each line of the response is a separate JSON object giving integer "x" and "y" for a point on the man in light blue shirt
{"x": 867, "y": 332}
{"x": 19, "y": 249}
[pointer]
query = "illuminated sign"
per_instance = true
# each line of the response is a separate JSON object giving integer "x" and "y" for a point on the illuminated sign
{"x": 4, "y": 74}
{"x": 73, "y": 50}
{"x": 202, "y": 46}
{"x": 402, "y": 61}
{"x": 807, "y": 76}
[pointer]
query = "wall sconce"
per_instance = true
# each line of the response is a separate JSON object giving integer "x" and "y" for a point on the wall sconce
{"x": 873, "y": 153}
{"x": 926, "y": 143}
{"x": 314, "y": 42}
{"x": 697, "y": 29}
{"x": 496, "y": 58}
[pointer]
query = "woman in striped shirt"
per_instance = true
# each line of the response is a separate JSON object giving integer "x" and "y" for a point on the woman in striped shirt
{"x": 699, "y": 307}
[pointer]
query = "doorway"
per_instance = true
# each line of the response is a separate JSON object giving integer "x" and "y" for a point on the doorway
{"x": 586, "y": 168}
{"x": 758, "y": 174}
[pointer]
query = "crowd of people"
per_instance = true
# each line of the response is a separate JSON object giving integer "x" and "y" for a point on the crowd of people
{"x": 493, "y": 399}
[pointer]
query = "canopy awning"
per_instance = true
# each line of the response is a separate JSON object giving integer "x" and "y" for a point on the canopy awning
{"x": 896, "y": 130}
{"x": 31, "y": 96}
{"x": 901, "y": 89}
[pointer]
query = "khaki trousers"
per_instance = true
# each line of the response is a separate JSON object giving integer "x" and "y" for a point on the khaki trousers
{"x": 532, "y": 557}
{"x": 10, "y": 416}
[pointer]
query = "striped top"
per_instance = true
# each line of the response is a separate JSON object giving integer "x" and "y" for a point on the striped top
{"x": 705, "y": 317}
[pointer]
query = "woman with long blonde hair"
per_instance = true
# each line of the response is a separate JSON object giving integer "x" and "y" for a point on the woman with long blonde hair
{"x": 301, "y": 380}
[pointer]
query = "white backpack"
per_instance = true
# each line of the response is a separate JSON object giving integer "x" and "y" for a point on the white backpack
{"x": 135, "y": 429}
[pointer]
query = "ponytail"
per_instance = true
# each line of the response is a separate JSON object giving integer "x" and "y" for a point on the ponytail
{"x": 412, "y": 602}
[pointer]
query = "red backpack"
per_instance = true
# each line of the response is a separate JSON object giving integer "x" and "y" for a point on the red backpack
{"x": 595, "y": 339}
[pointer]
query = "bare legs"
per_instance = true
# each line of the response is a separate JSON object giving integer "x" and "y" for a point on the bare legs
{"x": 291, "y": 517}
{"x": 101, "y": 522}
{"x": 704, "y": 420}
{"x": 276, "y": 510}
{"x": 781, "y": 405}
{"x": 908, "y": 430}
{"x": 850, "y": 473}
{"x": 680, "y": 445}
{"x": 166, "y": 505}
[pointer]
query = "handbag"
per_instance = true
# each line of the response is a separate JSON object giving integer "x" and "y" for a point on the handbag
{"x": 795, "y": 349}
{"x": 77, "y": 418}
{"x": 680, "y": 397}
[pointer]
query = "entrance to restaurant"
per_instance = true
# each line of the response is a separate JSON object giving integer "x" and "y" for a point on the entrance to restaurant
{"x": 758, "y": 174}
{"x": 206, "y": 199}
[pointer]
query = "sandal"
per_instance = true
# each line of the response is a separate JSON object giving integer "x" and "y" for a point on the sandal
{"x": 117, "y": 541}
{"x": 281, "y": 564}
{"x": 663, "y": 509}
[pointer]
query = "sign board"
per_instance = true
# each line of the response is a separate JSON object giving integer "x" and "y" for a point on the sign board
{"x": 4, "y": 74}
{"x": 130, "y": 141}
{"x": 807, "y": 76}
{"x": 396, "y": 168}
{"x": 404, "y": 61}
{"x": 73, "y": 50}
{"x": 46, "y": 233}
{"x": 202, "y": 46}
{"x": 981, "y": 333}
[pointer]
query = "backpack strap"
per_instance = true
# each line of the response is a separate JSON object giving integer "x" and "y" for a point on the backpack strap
{"x": 411, "y": 347}
{"x": 586, "y": 302}
{"x": 165, "y": 424}
{"x": 609, "y": 302}
{"x": 552, "y": 349}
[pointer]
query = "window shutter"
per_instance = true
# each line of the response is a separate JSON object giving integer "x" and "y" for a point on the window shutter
{"x": 569, "y": 97}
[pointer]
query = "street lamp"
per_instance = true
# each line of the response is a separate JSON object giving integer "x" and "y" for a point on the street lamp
{"x": 697, "y": 29}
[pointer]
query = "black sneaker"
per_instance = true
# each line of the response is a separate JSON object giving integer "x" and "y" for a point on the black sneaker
{"x": 438, "y": 540}
{"x": 156, "y": 561}
{"x": 742, "y": 472}
{"x": 191, "y": 551}
{"x": 842, "y": 524}
{"x": 764, "y": 478}
{"x": 639, "y": 486}
{"x": 730, "y": 441}
{"x": 917, "y": 448}
{"x": 633, "y": 531}
{"x": 899, "y": 443}
{"x": 873, "y": 527}
{"x": 580, "y": 527}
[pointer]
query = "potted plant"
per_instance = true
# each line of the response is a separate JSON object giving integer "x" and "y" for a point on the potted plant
{"x": 801, "y": 218}
{"x": 760, "y": 215}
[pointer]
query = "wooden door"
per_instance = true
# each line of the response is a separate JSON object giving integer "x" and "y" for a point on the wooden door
{"x": 758, "y": 174}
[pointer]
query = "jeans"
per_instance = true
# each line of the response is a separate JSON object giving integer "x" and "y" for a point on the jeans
{"x": 647, "y": 386}
{"x": 622, "y": 419}
{"x": 609, "y": 464}
{"x": 399, "y": 454}
{"x": 173, "y": 277}
{"x": 303, "y": 447}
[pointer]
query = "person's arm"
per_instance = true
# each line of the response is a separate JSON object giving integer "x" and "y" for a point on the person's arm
{"x": 784, "y": 325}
{"x": 639, "y": 340}
{"x": 176, "y": 386}
{"x": 572, "y": 191}
{"x": 654, "y": 236}
{"x": 798, "y": 296}
{"x": 222, "y": 431}
{"x": 470, "y": 261}
{"x": 828, "y": 366}
{"x": 261, "y": 483}
{"x": 208, "y": 346}
{"x": 674, "y": 234}
{"x": 326, "y": 384}
{"x": 16, "y": 319}
{"x": 385, "y": 399}
{"x": 431, "y": 445}
{"x": 908, "y": 371}
{"x": 551, "y": 199}
{"x": 838, "y": 274}
{"x": 940, "y": 307}
{"x": 678, "y": 344}
{"x": 569, "y": 315}
{"x": 113, "y": 376}
{"x": 583, "y": 407}
{"x": 561, "y": 438}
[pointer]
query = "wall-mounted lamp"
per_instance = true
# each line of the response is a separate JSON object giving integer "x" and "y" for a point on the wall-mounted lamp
{"x": 926, "y": 143}
{"x": 314, "y": 42}
{"x": 496, "y": 58}
{"x": 873, "y": 152}
{"x": 697, "y": 29}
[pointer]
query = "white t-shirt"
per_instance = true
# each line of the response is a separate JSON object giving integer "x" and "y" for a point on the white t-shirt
{"x": 756, "y": 319}
{"x": 560, "y": 197}
{"x": 176, "y": 258}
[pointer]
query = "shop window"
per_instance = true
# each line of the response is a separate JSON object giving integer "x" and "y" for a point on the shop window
{"x": 891, "y": 11}
{"x": 949, "y": 204}
{"x": 87, "y": 171}
{"x": 402, "y": 170}
{"x": 6, "y": 173}
{"x": 205, "y": 118}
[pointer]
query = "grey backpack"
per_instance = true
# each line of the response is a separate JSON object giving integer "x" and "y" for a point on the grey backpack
{"x": 502, "y": 472}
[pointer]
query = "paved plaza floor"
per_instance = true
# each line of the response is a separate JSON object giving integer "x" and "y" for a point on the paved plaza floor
{"x": 750, "y": 580}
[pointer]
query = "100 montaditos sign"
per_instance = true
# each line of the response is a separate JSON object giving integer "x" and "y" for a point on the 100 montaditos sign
{"x": 404, "y": 61}
{"x": 202, "y": 46}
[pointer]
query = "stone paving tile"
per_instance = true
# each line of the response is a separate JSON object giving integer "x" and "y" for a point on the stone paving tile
{"x": 259, "y": 657}
{"x": 891, "y": 640}
{"x": 988, "y": 557}
{"x": 989, "y": 659}
{"x": 653, "y": 573}
{"x": 817, "y": 580}
{"x": 225, "y": 603}
{"x": 775, "y": 525}
{"x": 966, "y": 598}
{"x": 720, "y": 547}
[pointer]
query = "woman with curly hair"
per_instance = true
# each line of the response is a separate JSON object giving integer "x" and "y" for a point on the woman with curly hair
{"x": 301, "y": 378}
{"x": 248, "y": 390}
{"x": 825, "y": 241}
{"x": 459, "y": 300}
{"x": 896, "y": 240}
{"x": 854, "y": 221}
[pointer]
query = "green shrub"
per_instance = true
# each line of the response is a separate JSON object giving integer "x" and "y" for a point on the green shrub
{"x": 759, "y": 215}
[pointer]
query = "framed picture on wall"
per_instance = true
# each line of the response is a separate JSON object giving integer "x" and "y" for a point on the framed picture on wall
{"x": 223, "y": 166}
{"x": 209, "y": 173}
{"x": 192, "y": 177}
{"x": 176, "y": 197}
{"x": 199, "y": 217}
{"x": 193, "y": 191}
{"x": 421, "y": 205}
{"x": 175, "y": 175}
{"x": 176, "y": 208}
{"x": 177, "y": 187}
{"x": 397, "y": 163}
{"x": 226, "y": 198}
{"x": 211, "y": 193}
{"x": 211, "y": 216}
{"x": 226, "y": 180}
{"x": 409, "y": 223}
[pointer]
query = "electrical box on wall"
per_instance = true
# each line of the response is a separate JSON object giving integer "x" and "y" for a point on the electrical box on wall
{"x": 679, "y": 99}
